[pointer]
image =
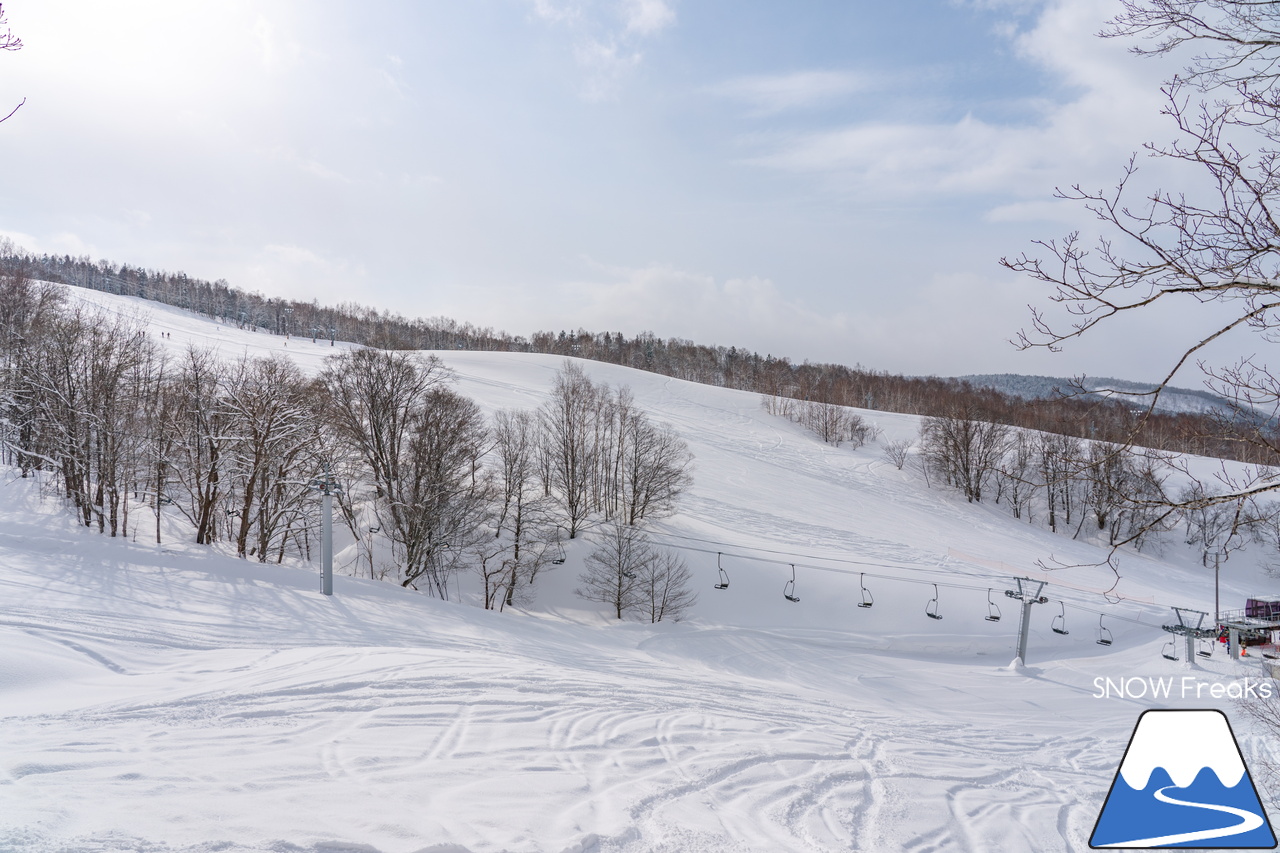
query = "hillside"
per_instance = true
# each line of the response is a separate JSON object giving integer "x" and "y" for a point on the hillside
{"x": 1172, "y": 400}
{"x": 1185, "y": 421}
{"x": 172, "y": 698}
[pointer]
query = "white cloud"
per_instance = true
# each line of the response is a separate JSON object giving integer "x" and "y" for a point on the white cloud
{"x": 557, "y": 12}
{"x": 309, "y": 165}
{"x": 1010, "y": 5}
{"x": 607, "y": 37}
{"x": 916, "y": 333}
{"x": 301, "y": 273}
{"x": 672, "y": 302}
{"x": 1045, "y": 210}
{"x": 606, "y": 65}
{"x": 1115, "y": 109}
{"x": 392, "y": 74}
{"x": 276, "y": 51}
{"x": 59, "y": 243}
{"x": 768, "y": 94}
{"x": 646, "y": 17}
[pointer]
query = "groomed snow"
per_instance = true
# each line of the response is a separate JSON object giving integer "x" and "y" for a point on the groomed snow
{"x": 172, "y": 698}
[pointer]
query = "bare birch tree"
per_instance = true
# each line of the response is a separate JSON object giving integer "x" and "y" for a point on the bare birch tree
{"x": 524, "y": 520}
{"x": 570, "y": 450}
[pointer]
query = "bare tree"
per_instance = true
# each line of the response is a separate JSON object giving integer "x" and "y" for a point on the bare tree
{"x": 897, "y": 451}
{"x": 1016, "y": 474}
{"x": 612, "y": 571}
{"x": 272, "y": 416}
{"x": 155, "y": 422}
{"x": 1217, "y": 247}
{"x": 375, "y": 404}
{"x": 655, "y": 469}
{"x": 664, "y": 587}
{"x": 629, "y": 574}
{"x": 524, "y": 521}
{"x": 834, "y": 424}
{"x": 443, "y": 494}
{"x": 200, "y": 421}
{"x": 1212, "y": 526}
{"x": 963, "y": 450}
{"x": 1107, "y": 480}
{"x": 8, "y": 41}
{"x": 570, "y": 443}
{"x": 1058, "y": 460}
{"x": 372, "y": 398}
{"x": 80, "y": 390}
{"x": 27, "y": 312}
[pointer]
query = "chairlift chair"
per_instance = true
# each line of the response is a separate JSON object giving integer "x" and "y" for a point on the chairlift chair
{"x": 1170, "y": 651}
{"x": 993, "y": 612}
{"x": 789, "y": 590}
{"x": 1204, "y": 648}
{"x": 867, "y": 600}
{"x": 1059, "y": 624}
{"x": 559, "y": 558}
{"x": 1104, "y": 633}
{"x": 724, "y": 576}
{"x": 931, "y": 609}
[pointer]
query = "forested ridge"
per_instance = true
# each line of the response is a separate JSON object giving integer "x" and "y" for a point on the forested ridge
{"x": 724, "y": 366}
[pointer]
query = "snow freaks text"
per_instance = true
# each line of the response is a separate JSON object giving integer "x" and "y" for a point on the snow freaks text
{"x": 1186, "y": 687}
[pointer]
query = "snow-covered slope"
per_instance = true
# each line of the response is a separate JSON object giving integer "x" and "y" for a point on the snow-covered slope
{"x": 166, "y": 698}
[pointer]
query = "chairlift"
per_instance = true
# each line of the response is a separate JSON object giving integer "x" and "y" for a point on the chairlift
{"x": 1104, "y": 633}
{"x": 993, "y": 612}
{"x": 931, "y": 609}
{"x": 1059, "y": 624}
{"x": 724, "y": 576}
{"x": 1204, "y": 648}
{"x": 1170, "y": 651}
{"x": 789, "y": 590}
{"x": 560, "y": 556}
{"x": 867, "y": 600}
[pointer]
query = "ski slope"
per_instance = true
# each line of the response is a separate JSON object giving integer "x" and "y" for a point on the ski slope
{"x": 170, "y": 697}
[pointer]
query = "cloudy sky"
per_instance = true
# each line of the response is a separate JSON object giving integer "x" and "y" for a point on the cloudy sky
{"x": 826, "y": 180}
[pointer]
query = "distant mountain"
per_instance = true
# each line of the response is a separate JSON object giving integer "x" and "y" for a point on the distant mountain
{"x": 1172, "y": 400}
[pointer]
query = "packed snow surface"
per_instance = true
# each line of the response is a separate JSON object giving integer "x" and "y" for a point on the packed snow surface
{"x": 158, "y": 698}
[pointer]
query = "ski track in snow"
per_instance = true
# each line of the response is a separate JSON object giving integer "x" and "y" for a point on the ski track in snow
{"x": 167, "y": 699}
{"x": 635, "y": 752}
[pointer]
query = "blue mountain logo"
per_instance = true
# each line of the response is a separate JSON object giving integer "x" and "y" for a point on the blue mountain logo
{"x": 1183, "y": 783}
